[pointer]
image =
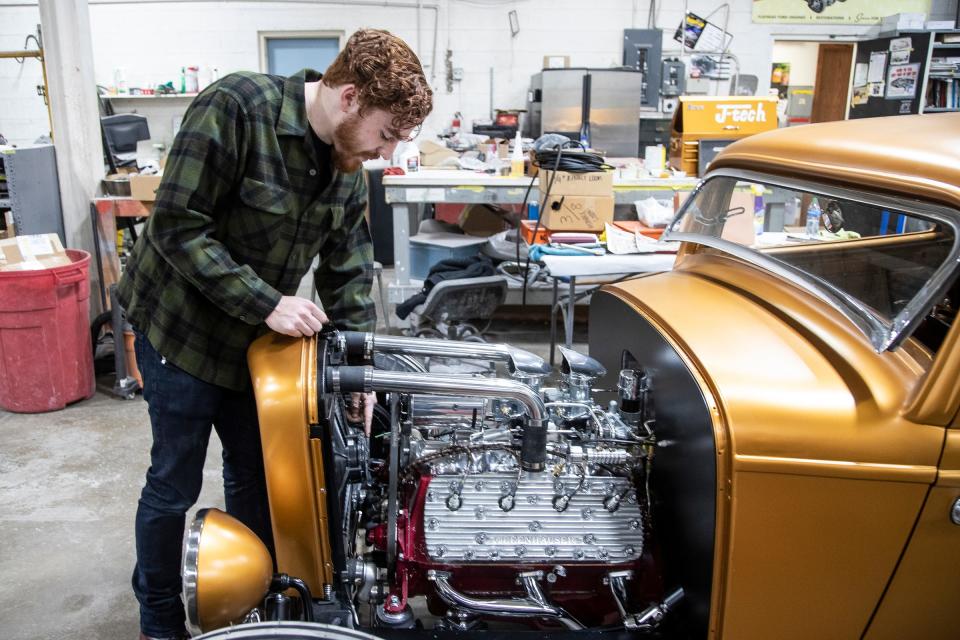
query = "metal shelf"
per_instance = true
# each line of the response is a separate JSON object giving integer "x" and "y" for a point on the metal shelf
{"x": 169, "y": 96}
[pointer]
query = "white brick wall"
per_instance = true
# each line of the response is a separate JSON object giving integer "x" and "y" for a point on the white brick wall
{"x": 152, "y": 41}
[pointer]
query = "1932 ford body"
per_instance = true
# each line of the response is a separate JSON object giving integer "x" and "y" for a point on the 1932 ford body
{"x": 781, "y": 460}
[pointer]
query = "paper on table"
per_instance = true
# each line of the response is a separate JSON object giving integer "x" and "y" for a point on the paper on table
{"x": 619, "y": 241}
{"x": 646, "y": 244}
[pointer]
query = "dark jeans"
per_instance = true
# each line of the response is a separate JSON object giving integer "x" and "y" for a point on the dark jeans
{"x": 182, "y": 410}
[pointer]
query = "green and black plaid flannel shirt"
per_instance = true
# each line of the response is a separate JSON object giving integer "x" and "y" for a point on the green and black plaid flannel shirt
{"x": 240, "y": 214}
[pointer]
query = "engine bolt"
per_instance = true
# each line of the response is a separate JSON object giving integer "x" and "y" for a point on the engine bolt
{"x": 521, "y": 551}
{"x": 494, "y": 554}
{"x": 454, "y": 501}
{"x": 578, "y": 554}
{"x": 551, "y": 551}
{"x": 602, "y": 554}
{"x": 560, "y": 502}
{"x": 611, "y": 503}
{"x": 456, "y": 486}
{"x": 479, "y": 485}
{"x": 589, "y": 538}
{"x": 629, "y": 551}
{"x": 587, "y": 513}
{"x": 480, "y": 537}
{"x": 433, "y": 524}
{"x": 551, "y": 578}
{"x": 506, "y": 487}
{"x": 533, "y": 499}
{"x": 535, "y": 525}
{"x": 634, "y": 524}
{"x": 632, "y": 498}
{"x": 441, "y": 550}
{"x": 468, "y": 555}
{"x": 429, "y": 496}
{"x": 479, "y": 512}
{"x": 558, "y": 486}
{"x": 507, "y": 502}
{"x": 611, "y": 488}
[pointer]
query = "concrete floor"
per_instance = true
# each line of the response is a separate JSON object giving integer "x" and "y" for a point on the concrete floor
{"x": 69, "y": 484}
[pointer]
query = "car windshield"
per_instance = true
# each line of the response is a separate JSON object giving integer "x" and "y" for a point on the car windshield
{"x": 882, "y": 260}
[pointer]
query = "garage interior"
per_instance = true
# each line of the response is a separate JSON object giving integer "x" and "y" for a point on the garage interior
{"x": 93, "y": 94}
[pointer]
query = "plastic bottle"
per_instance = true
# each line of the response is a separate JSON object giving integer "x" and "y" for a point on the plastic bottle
{"x": 407, "y": 156}
{"x": 192, "y": 80}
{"x": 758, "y": 209}
{"x": 813, "y": 219}
{"x": 533, "y": 210}
{"x": 516, "y": 160}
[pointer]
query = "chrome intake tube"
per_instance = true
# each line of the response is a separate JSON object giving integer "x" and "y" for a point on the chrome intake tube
{"x": 534, "y": 605}
{"x": 533, "y": 450}
{"x": 360, "y": 348}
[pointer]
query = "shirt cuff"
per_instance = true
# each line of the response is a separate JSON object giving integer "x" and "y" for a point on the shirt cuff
{"x": 259, "y": 304}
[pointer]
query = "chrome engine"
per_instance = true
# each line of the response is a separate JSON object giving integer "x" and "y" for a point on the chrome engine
{"x": 494, "y": 483}
{"x": 479, "y": 499}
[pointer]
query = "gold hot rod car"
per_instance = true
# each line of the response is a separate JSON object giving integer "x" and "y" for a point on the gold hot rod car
{"x": 764, "y": 442}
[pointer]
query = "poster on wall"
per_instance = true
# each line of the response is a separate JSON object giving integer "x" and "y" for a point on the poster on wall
{"x": 902, "y": 81}
{"x": 700, "y": 35}
{"x": 853, "y": 12}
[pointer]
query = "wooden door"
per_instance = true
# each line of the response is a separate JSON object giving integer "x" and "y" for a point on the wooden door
{"x": 833, "y": 82}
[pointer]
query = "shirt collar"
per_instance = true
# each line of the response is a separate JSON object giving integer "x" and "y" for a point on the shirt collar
{"x": 293, "y": 109}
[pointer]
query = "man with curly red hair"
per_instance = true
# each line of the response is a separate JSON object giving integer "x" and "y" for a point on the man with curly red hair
{"x": 263, "y": 176}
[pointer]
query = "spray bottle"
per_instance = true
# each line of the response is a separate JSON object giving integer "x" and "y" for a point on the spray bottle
{"x": 516, "y": 160}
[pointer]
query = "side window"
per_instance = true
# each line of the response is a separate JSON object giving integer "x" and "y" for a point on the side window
{"x": 283, "y": 53}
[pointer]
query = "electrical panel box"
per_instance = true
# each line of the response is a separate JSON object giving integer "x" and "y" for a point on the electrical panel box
{"x": 642, "y": 50}
{"x": 672, "y": 78}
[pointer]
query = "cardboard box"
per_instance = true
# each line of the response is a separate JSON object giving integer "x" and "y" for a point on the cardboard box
{"x": 24, "y": 253}
{"x": 577, "y": 213}
{"x": 433, "y": 154}
{"x": 556, "y": 62}
{"x": 595, "y": 183}
{"x": 903, "y": 22}
{"x": 7, "y": 230}
{"x": 145, "y": 187}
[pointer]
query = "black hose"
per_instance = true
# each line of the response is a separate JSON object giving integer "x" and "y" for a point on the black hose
{"x": 281, "y": 582}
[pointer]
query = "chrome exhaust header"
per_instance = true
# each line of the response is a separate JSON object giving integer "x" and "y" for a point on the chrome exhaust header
{"x": 360, "y": 348}
{"x": 535, "y": 604}
{"x": 533, "y": 451}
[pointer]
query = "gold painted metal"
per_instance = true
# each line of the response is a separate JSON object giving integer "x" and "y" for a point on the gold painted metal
{"x": 826, "y": 475}
{"x": 902, "y": 155}
{"x": 234, "y": 570}
{"x": 927, "y": 584}
{"x": 281, "y": 369}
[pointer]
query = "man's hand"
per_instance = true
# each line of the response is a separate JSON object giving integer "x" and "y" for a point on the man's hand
{"x": 360, "y": 405}
{"x": 297, "y": 317}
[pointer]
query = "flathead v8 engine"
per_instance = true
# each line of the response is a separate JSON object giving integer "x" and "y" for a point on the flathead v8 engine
{"x": 478, "y": 501}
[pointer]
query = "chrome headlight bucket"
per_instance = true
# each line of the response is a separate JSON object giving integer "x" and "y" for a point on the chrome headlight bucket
{"x": 226, "y": 571}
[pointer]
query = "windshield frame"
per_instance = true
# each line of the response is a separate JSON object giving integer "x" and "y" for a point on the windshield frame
{"x": 884, "y": 335}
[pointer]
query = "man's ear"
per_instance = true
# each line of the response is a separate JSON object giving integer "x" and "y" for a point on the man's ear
{"x": 349, "y": 100}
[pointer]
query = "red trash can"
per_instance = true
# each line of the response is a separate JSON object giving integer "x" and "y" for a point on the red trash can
{"x": 46, "y": 361}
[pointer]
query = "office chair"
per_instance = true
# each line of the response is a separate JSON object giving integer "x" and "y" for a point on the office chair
{"x": 121, "y": 133}
{"x": 452, "y": 306}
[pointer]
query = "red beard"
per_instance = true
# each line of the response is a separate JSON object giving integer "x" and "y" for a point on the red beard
{"x": 347, "y": 152}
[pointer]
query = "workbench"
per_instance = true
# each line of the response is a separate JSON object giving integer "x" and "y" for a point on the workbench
{"x": 104, "y": 212}
{"x": 433, "y": 186}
